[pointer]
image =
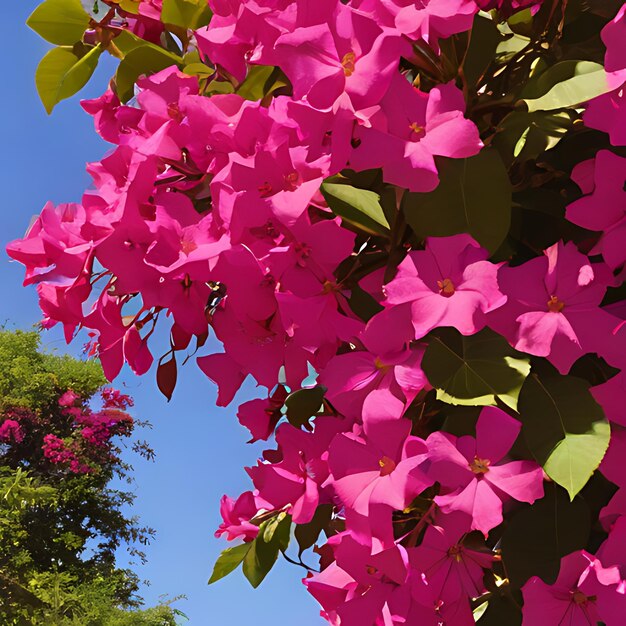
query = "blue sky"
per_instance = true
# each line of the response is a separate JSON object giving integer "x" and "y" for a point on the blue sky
{"x": 200, "y": 449}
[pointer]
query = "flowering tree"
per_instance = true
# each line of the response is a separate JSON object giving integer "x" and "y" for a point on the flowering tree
{"x": 61, "y": 521}
{"x": 405, "y": 221}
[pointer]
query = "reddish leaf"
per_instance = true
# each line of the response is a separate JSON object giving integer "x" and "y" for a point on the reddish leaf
{"x": 166, "y": 377}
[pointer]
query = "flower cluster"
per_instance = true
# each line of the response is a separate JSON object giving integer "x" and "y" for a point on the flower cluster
{"x": 74, "y": 437}
{"x": 217, "y": 211}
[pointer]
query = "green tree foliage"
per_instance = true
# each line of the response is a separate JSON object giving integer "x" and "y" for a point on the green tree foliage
{"x": 60, "y": 520}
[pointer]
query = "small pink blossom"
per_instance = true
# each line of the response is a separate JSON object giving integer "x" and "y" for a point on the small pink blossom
{"x": 553, "y": 308}
{"x": 450, "y": 283}
{"x": 473, "y": 477}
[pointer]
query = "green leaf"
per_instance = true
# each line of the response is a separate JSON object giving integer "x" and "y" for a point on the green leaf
{"x": 484, "y": 40}
{"x": 273, "y": 537}
{"x": 509, "y": 47}
{"x": 61, "y": 22}
{"x": 538, "y": 536}
{"x": 360, "y": 207}
{"x": 521, "y": 23}
{"x": 228, "y": 561}
{"x": 566, "y": 84}
{"x": 565, "y": 428}
{"x": 143, "y": 60}
{"x": 60, "y": 74}
{"x": 473, "y": 196}
{"x": 474, "y": 370}
{"x": 303, "y": 404}
{"x": 190, "y": 14}
{"x": 260, "y": 82}
{"x": 524, "y": 136}
{"x": 307, "y": 534}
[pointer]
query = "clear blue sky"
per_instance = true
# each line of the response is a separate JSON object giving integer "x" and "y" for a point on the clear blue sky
{"x": 200, "y": 449}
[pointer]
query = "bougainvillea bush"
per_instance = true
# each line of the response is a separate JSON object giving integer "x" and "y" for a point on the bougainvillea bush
{"x": 406, "y": 222}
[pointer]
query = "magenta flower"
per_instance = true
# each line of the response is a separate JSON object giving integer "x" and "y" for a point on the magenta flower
{"x": 348, "y": 54}
{"x": 453, "y": 570}
{"x": 613, "y": 37}
{"x": 553, "y": 308}
{"x": 68, "y": 398}
{"x": 381, "y": 466}
{"x": 410, "y": 129}
{"x": 604, "y": 208}
{"x": 611, "y": 395}
{"x": 361, "y": 586}
{"x": 387, "y": 363}
{"x": 473, "y": 477}
{"x": 429, "y": 20}
{"x": 294, "y": 480}
{"x": 607, "y": 113}
{"x": 236, "y": 516}
{"x": 567, "y": 601}
{"x": 260, "y": 416}
{"x": 450, "y": 283}
{"x": 11, "y": 431}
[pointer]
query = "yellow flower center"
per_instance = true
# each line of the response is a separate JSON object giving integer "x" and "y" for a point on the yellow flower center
{"x": 387, "y": 466}
{"x": 480, "y": 466}
{"x": 555, "y": 305}
{"x": 446, "y": 287}
{"x": 348, "y": 61}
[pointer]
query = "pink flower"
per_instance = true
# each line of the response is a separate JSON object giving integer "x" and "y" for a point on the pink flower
{"x": 453, "y": 570}
{"x": 604, "y": 208}
{"x": 380, "y": 466}
{"x": 430, "y": 20}
{"x": 11, "y": 431}
{"x": 236, "y": 516}
{"x": 348, "y": 54}
{"x": 361, "y": 586}
{"x": 450, "y": 283}
{"x": 387, "y": 363}
{"x": 553, "y": 307}
{"x": 294, "y": 480}
{"x": 68, "y": 398}
{"x": 565, "y": 602}
{"x": 473, "y": 478}
{"x": 410, "y": 129}
{"x": 606, "y": 112}
{"x": 611, "y": 395}
{"x": 261, "y": 416}
{"x": 613, "y": 37}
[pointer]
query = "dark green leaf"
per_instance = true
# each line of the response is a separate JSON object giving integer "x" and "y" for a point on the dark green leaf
{"x": 474, "y": 370}
{"x": 501, "y": 611}
{"x": 360, "y": 207}
{"x": 565, "y": 428}
{"x": 521, "y": 23}
{"x": 523, "y": 136}
{"x": 307, "y": 534}
{"x": 61, "y": 22}
{"x": 474, "y": 196}
{"x": 484, "y": 39}
{"x": 539, "y": 535}
{"x": 190, "y": 14}
{"x": 303, "y": 404}
{"x": 228, "y": 561}
{"x": 60, "y": 74}
{"x": 143, "y": 60}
